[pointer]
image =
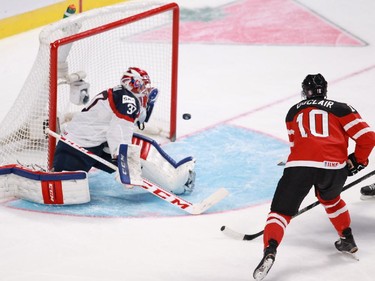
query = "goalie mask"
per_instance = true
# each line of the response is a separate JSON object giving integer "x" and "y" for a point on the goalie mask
{"x": 136, "y": 81}
{"x": 314, "y": 86}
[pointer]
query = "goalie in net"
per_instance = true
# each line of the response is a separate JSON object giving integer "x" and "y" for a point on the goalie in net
{"x": 106, "y": 126}
{"x": 80, "y": 47}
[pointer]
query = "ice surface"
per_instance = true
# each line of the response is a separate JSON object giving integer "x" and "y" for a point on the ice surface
{"x": 223, "y": 85}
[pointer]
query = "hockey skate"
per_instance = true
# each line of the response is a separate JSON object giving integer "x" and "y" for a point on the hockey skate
{"x": 368, "y": 192}
{"x": 346, "y": 244}
{"x": 267, "y": 261}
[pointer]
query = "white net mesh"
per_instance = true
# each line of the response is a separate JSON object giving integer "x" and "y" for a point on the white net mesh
{"x": 103, "y": 56}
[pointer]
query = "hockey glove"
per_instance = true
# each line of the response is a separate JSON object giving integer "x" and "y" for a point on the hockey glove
{"x": 152, "y": 97}
{"x": 353, "y": 166}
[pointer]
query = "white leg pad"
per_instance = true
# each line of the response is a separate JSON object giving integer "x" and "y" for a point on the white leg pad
{"x": 56, "y": 188}
{"x": 161, "y": 172}
{"x": 160, "y": 168}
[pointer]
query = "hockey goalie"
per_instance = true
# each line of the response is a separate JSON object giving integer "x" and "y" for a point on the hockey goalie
{"x": 56, "y": 99}
{"x": 104, "y": 127}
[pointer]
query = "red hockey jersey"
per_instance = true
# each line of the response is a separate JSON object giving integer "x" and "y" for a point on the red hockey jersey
{"x": 319, "y": 132}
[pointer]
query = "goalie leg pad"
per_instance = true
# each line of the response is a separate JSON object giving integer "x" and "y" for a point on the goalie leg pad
{"x": 177, "y": 180}
{"x": 162, "y": 169}
{"x": 57, "y": 188}
{"x": 7, "y": 189}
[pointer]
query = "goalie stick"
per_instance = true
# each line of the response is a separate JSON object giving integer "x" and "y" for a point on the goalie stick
{"x": 193, "y": 209}
{"x": 241, "y": 236}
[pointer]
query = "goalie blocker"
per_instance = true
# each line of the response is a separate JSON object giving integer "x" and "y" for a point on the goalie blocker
{"x": 56, "y": 188}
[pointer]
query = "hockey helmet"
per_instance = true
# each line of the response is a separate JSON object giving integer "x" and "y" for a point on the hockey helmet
{"x": 136, "y": 80}
{"x": 314, "y": 86}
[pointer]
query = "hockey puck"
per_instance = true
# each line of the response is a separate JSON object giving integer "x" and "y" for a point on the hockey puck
{"x": 186, "y": 116}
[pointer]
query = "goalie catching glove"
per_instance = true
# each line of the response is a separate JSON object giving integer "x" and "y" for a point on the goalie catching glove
{"x": 147, "y": 111}
{"x": 152, "y": 97}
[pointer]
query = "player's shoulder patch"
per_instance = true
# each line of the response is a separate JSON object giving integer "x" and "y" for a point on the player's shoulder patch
{"x": 342, "y": 109}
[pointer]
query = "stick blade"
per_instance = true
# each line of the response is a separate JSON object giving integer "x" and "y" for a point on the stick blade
{"x": 239, "y": 236}
{"x": 210, "y": 201}
{"x": 231, "y": 233}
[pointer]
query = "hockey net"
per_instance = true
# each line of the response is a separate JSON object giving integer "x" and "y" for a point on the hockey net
{"x": 99, "y": 45}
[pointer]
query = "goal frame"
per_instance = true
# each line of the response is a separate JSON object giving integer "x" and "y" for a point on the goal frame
{"x": 54, "y": 48}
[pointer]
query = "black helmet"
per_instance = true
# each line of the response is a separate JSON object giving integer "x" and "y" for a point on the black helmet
{"x": 314, "y": 86}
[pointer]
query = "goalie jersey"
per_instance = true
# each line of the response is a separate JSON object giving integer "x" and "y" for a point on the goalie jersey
{"x": 109, "y": 117}
{"x": 319, "y": 131}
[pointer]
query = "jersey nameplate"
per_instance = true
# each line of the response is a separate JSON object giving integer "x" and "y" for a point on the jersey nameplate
{"x": 325, "y": 103}
{"x": 131, "y": 105}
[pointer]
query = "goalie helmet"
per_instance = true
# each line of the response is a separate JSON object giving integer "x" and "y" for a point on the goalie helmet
{"x": 314, "y": 86}
{"x": 136, "y": 80}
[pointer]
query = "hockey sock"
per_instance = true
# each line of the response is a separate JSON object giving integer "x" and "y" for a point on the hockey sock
{"x": 275, "y": 227}
{"x": 337, "y": 213}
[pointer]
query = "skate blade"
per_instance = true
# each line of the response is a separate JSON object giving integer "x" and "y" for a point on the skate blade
{"x": 351, "y": 255}
{"x": 367, "y": 197}
{"x": 261, "y": 272}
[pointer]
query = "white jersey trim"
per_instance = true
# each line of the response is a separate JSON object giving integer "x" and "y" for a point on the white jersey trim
{"x": 352, "y": 124}
{"x": 361, "y": 132}
{"x": 315, "y": 164}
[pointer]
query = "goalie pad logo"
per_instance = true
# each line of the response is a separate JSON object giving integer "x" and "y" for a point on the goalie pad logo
{"x": 123, "y": 164}
{"x": 52, "y": 192}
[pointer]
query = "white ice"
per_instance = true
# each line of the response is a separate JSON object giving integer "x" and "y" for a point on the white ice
{"x": 234, "y": 80}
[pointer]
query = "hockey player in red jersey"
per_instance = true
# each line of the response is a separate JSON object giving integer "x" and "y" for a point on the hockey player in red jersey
{"x": 107, "y": 123}
{"x": 319, "y": 130}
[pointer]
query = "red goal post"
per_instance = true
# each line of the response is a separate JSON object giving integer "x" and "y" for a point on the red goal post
{"x": 104, "y": 28}
{"x": 96, "y": 46}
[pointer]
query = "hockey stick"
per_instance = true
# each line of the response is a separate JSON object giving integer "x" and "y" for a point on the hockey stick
{"x": 194, "y": 209}
{"x": 241, "y": 236}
